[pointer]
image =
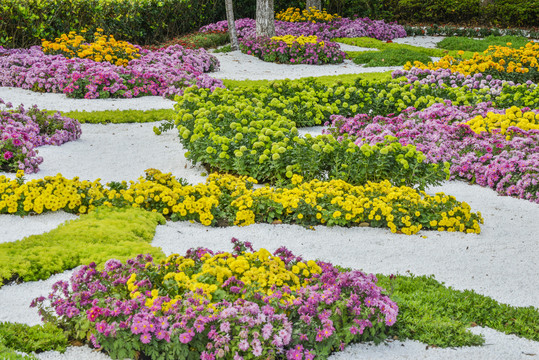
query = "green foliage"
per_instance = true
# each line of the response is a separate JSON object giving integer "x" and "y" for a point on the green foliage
{"x": 502, "y": 13}
{"x": 119, "y": 116}
{"x": 437, "y": 315}
{"x": 254, "y": 132}
{"x": 475, "y": 32}
{"x": 141, "y": 22}
{"x": 101, "y": 235}
{"x": 328, "y": 80}
{"x": 390, "y": 57}
{"x": 380, "y": 45}
{"x": 28, "y": 339}
{"x": 474, "y": 45}
{"x": 10, "y": 354}
{"x": 224, "y": 49}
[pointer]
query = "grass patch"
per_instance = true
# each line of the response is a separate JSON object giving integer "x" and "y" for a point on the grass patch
{"x": 381, "y": 45}
{"x": 224, "y": 49}
{"x": 473, "y": 45}
{"x": 119, "y": 116}
{"x": 391, "y": 57}
{"x": 29, "y": 339}
{"x": 438, "y": 315}
{"x": 328, "y": 80}
{"x": 106, "y": 233}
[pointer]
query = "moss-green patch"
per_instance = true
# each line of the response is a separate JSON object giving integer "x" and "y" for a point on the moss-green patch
{"x": 106, "y": 233}
{"x": 380, "y": 45}
{"x": 328, "y": 80}
{"x": 438, "y": 315}
{"x": 119, "y": 116}
{"x": 475, "y": 45}
{"x": 391, "y": 57}
{"x": 28, "y": 339}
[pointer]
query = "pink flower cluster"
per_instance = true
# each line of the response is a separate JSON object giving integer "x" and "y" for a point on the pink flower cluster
{"x": 509, "y": 166}
{"x": 165, "y": 72}
{"x": 278, "y": 51}
{"x": 21, "y": 131}
{"x": 343, "y": 27}
{"x": 253, "y": 326}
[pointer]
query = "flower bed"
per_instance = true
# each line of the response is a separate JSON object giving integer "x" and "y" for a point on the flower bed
{"x": 290, "y": 49}
{"x": 311, "y": 14}
{"x": 228, "y": 200}
{"x": 241, "y": 305}
{"x": 343, "y": 27}
{"x": 163, "y": 72}
{"x": 500, "y": 62}
{"x": 103, "y": 48}
{"x": 491, "y": 147}
{"x": 21, "y": 131}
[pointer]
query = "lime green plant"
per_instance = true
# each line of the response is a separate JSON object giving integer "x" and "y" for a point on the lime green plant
{"x": 102, "y": 234}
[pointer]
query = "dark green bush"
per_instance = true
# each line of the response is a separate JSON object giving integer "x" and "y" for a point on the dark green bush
{"x": 509, "y": 13}
{"x": 142, "y": 22}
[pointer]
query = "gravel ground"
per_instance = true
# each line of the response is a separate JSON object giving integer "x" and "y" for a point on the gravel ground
{"x": 500, "y": 262}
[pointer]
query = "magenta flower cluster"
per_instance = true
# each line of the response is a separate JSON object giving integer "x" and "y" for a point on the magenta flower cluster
{"x": 343, "y": 27}
{"x": 164, "y": 72}
{"x": 271, "y": 50}
{"x": 509, "y": 166}
{"x": 21, "y": 131}
{"x": 332, "y": 310}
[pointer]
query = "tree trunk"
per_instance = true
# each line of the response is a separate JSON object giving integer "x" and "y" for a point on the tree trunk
{"x": 265, "y": 18}
{"x": 315, "y": 4}
{"x": 231, "y": 25}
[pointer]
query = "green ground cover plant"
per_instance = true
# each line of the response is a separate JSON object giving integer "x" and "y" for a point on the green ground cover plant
{"x": 390, "y": 57}
{"x": 119, "y": 116}
{"x": 29, "y": 339}
{"x": 382, "y": 45}
{"x": 329, "y": 80}
{"x": 480, "y": 45}
{"x": 96, "y": 237}
{"x": 438, "y": 315}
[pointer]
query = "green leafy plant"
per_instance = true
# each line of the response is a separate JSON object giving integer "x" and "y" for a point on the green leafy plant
{"x": 441, "y": 316}
{"x": 102, "y": 234}
{"x": 29, "y": 339}
{"x": 381, "y": 45}
{"x": 390, "y": 57}
{"x": 119, "y": 116}
{"x": 480, "y": 45}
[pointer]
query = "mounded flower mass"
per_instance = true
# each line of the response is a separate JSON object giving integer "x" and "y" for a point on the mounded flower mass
{"x": 242, "y": 305}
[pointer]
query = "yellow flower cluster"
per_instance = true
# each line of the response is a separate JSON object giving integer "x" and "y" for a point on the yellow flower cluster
{"x": 229, "y": 198}
{"x": 502, "y": 59}
{"x": 103, "y": 48}
{"x": 312, "y": 14}
{"x": 259, "y": 271}
{"x": 302, "y": 40}
{"x": 501, "y": 122}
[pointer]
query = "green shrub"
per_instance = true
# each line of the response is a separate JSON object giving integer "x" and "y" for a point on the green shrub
{"x": 10, "y": 354}
{"x": 28, "y": 339}
{"x": 509, "y": 13}
{"x": 102, "y": 234}
{"x": 474, "y": 45}
{"x": 142, "y": 22}
{"x": 119, "y": 116}
{"x": 390, "y": 57}
{"x": 437, "y": 315}
{"x": 254, "y": 132}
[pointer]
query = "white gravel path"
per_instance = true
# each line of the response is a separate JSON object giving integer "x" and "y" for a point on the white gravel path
{"x": 501, "y": 262}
